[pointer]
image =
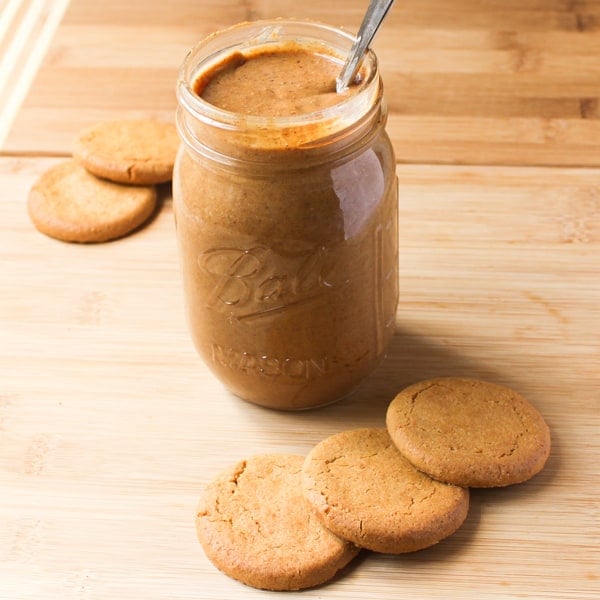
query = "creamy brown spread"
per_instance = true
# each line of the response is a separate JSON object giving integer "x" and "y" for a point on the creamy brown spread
{"x": 290, "y": 272}
{"x": 273, "y": 83}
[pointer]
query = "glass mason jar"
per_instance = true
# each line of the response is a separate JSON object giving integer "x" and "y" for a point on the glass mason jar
{"x": 287, "y": 229}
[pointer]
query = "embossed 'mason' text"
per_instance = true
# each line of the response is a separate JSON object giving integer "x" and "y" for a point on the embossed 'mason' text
{"x": 270, "y": 366}
{"x": 257, "y": 281}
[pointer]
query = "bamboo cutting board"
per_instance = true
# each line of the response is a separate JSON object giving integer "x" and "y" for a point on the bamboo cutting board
{"x": 110, "y": 426}
{"x": 469, "y": 81}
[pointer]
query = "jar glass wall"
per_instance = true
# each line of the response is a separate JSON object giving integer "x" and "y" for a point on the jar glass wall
{"x": 287, "y": 228}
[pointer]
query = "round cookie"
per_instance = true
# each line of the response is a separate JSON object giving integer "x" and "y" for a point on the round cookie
{"x": 467, "y": 432}
{"x": 70, "y": 204}
{"x": 365, "y": 491}
{"x": 139, "y": 152}
{"x": 255, "y": 525}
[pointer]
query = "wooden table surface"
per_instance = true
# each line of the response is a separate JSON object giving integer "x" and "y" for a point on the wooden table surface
{"x": 110, "y": 426}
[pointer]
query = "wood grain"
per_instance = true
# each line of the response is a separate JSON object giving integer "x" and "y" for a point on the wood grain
{"x": 470, "y": 82}
{"x": 110, "y": 425}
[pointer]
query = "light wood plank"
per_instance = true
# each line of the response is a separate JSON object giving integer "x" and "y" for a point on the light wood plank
{"x": 466, "y": 82}
{"x": 110, "y": 426}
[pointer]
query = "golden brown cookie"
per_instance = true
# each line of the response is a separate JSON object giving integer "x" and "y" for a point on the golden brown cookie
{"x": 365, "y": 491}
{"x": 70, "y": 204}
{"x": 256, "y": 526}
{"x": 139, "y": 152}
{"x": 468, "y": 432}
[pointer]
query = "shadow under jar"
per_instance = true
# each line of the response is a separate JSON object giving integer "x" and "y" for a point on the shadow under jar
{"x": 286, "y": 209}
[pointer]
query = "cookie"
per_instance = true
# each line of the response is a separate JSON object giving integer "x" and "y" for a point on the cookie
{"x": 365, "y": 491}
{"x": 139, "y": 152}
{"x": 70, "y": 204}
{"x": 255, "y": 525}
{"x": 467, "y": 432}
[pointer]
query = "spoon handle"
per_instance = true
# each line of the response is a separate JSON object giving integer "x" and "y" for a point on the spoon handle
{"x": 374, "y": 16}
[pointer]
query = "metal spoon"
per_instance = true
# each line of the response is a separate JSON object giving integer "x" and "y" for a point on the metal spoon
{"x": 374, "y": 16}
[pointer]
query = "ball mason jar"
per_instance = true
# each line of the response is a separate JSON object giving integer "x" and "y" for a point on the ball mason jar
{"x": 287, "y": 229}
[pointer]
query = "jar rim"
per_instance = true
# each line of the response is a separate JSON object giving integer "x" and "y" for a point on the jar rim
{"x": 253, "y": 34}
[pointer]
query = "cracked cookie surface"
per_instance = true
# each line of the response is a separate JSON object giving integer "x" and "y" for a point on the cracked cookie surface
{"x": 469, "y": 432}
{"x": 365, "y": 491}
{"x": 137, "y": 152}
{"x": 256, "y": 526}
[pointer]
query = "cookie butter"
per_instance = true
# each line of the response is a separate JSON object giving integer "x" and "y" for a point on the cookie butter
{"x": 290, "y": 80}
{"x": 285, "y": 202}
